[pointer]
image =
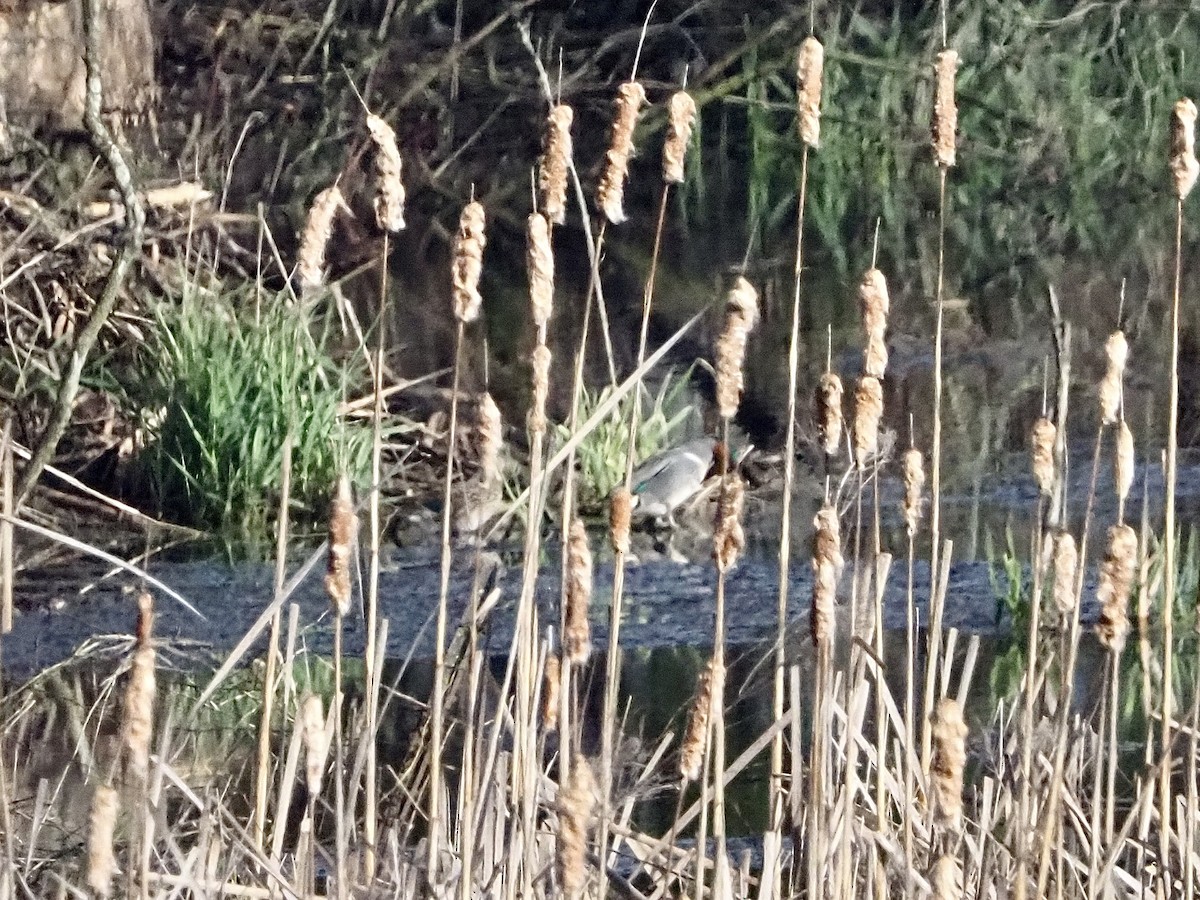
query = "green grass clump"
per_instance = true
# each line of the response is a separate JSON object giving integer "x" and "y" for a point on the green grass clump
{"x": 221, "y": 385}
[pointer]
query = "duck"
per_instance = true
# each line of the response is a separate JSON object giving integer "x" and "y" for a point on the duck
{"x": 669, "y": 479}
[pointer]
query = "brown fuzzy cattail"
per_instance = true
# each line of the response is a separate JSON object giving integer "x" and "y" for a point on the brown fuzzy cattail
{"x": 868, "y": 411}
{"x": 491, "y": 438}
{"x": 810, "y": 65}
{"x": 741, "y": 315}
{"x": 1041, "y": 449}
{"x": 1184, "y": 168}
{"x": 540, "y": 260}
{"x": 575, "y": 805}
{"x": 389, "y": 192}
{"x": 550, "y": 692}
{"x": 620, "y": 514}
{"x": 945, "y": 112}
{"x": 946, "y": 879}
{"x": 874, "y": 304}
{"x": 102, "y": 861}
{"x": 1116, "y": 581}
{"x": 1123, "y": 461}
{"x": 691, "y": 751}
{"x": 138, "y": 720}
{"x": 312, "y": 737}
{"x": 555, "y": 163}
{"x": 681, "y": 117}
{"x": 577, "y": 630}
{"x": 949, "y": 735}
{"x": 1066, "y": 565}
{"x": 343, "y": 529}
{"x": 1116, "y": 349}
{"x": 541, "y": 389}
{"x": 830, "y": 420}
{"x": 827, "y": 563}
{"x": 914, "y": 489}
{"x": 467, "y": 265}
{"x": 729, "y": 539}
{"x": 610, "y": 195}
{"x": 318, "y": 229}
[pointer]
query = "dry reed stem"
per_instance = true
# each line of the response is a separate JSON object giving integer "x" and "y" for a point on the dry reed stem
{"x": 555, "y": 163}
{"x": 741, "y": 315}
{"x": 949, "y": 734}
{"x": 1117, "y": 572}
{"x": 874, "y": 305}
{"x": 631, "y": 97}
{"x": 577, "y": 629}
{"x": 945, "y": 112}
{"x": 830, "y": 419}
{"x": 1123, "y": 461}
{"x": 1184, "y": 168}
{"x": 827, "y": 563}
{"x": 946, "y": 878}
{"x": 318, "y": 229}
{"x": 1041, "y": 446}
{"x": 681, "y": 118}
{"x": 1066, "y": 563}
{"x": 541, "y": 389}
{"x": 914, "y": 489}
{"x": 691, "y": 751}
{"x": 729, "y": 539}
{"x": 574, "y": 814}
{"x": 343, "y": 529}
{"x": 312, "y": 737}
{"x": 138, "y": 721}
{"x": 540, "y": 260}
{"x": 491, "y": 439}
{"x": 551, "y": 685}
{"x": 1116, "y": 349}
{"x": 389, "y": 191}
{"x": 102, "y": 861}
{"x": 810, "y": 64}
{"x": 620, "y": 514}
{"x": 467, "y": 265}
{"x": 868, "y": 411}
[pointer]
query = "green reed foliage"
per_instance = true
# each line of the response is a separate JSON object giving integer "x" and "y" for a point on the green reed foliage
{"x": 222, "y": 382}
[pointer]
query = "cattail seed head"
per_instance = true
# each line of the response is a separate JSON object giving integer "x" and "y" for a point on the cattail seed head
{"x": 741, "y": 315}
{"x": 343, "y": 529}
{"x": 555, "y": 163}
{"x": 318, "y": 229}
{"x": 138, "y": 720}
{"x": 491, "y": 439}
{"x": 467, "y": 265}
{"x": 946, "y": 879}
{"x": 541, "y": 389}
{"x": 945, "y": 112}
{"x": 827, "y": 563}
{"x": 540, "y": 260}
{"x": 312, "y": 737}
{"x": 1116, "y": 582}
{"x": 102, "y": 861}
{"x": 810, "y": 64}
{"x": 620, "y": 514}
{"x": 1123, "y": 461}
{"x": 914, "y": 489}
{"x": 610, "y": 195}
{"x": 868, "y": 412}
{"x": 1041, "y": 446}
{"x": 949, "y": 738}
{"x": 1116, "y": 349}
{"x": 691, "y": 752}
{"x": 577, "y": 630}
{"x": 729, "y": 539}
{"x": 389, "y": 192}
{"x": 1184, "y": 168}
{"x": 681, "y": 117}
{"x": 830, "y": 421}
{"x": 874, "y": 304}
{"x": 550, "y": 693}
{"x": 575, "y": 805}
{"x": 1066, "y": 565}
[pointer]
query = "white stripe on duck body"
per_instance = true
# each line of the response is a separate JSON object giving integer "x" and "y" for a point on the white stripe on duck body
{"x": 669, "y": 479}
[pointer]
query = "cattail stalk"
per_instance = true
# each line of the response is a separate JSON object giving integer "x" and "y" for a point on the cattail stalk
{"x": 1182, "y": 162}
{"x": 1123, "y": 463}
{"x": 874, "y": 304}
{"x": 620, "y": 514}
{"x": 467, "y": 264}
{"x": 389, "y": 190}
{"x": 946, "y": 879}
{"x": 830, "y": 419}
{"x": 741, "y": 315}
{"x": 541, "y": 389}
{"x": 868, "y": 412}
{"x": 551, "y": 684}
{"x": 102, "y": 861}
{"x": 577, "y": 629}
{"x": 1117, "y": 572}
{"x": 138, "y": 720}
{"x": 1041, "y": 446}
{"x": 631, "y": 97}
{"x": 555, "y": 163}
{"x": 949, "y": 734}
{"x": 681, "y": 118}
{"x": 318, "y": 230}
{"x": 691, "y": 753}
{"x": 914, "y": 489}
{"x": 945, "y": 111}
{"x": 343, "y": 530}
{"x": 315, "y": 742}
{"x": 1066, "y": 564}
{"x": 575, "y": 807}
{"x": 810, "y": 64}
{"x": 1116, "y": 349}
{"x": 491, "y": 439}
{"x": 827, "y": 563}
{"x": 540, "y": 262}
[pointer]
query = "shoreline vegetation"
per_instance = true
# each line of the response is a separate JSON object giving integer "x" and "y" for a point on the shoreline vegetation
{"x": 263, "y": 409}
